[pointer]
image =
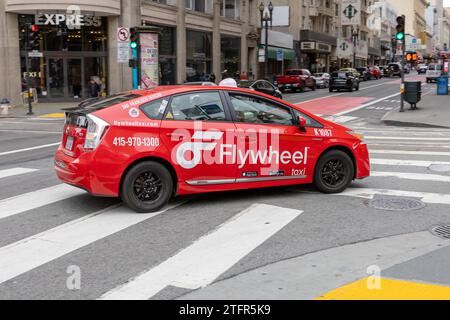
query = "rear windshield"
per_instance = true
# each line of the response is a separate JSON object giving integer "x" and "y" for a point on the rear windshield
{"x": 435, "y": 67}
{"x": 342, "y": 75}
{"x": 102, "y": 103}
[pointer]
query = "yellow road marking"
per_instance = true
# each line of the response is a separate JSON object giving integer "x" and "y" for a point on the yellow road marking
{"x": 389, "y": 290}
{"x": 53, "y": 115}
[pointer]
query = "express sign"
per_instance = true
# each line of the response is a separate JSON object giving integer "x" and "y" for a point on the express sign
{"x": 72, "y": 21}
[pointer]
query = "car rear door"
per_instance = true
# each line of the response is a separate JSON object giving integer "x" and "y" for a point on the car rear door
{"x": 195, "y": 128}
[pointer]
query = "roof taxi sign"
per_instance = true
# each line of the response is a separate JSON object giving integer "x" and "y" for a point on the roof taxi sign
{"x": 73, "y": 19}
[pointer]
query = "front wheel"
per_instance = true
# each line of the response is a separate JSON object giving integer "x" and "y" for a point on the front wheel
{"x": 147, "y": 187}
{"x": 334, "y": 172}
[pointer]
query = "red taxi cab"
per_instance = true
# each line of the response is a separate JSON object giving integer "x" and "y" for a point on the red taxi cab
{"x": 148, "y": 146}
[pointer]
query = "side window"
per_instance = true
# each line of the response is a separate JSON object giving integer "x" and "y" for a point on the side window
{"x": 155, "y": 109}
{"x": 249, "y": 109}
{"x": 310, "y": 122}
{"x": 201, "y": 106}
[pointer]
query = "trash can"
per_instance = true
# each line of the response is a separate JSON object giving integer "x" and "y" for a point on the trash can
{"x": 413, "y": 92}
{"x": 442, "y": 85}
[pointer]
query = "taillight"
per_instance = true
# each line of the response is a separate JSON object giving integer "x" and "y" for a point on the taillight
{"x": 96, "y": 130}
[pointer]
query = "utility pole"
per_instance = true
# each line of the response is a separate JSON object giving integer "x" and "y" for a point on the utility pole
{"x": 400, "y": 36}
{"x": 27, "y": 68}
{"x": 355, "y": 37}
{"x": 265, "y": 20}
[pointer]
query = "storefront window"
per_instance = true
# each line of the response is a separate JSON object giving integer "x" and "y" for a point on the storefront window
{"x": 64, "y": 60}
{"x": 199, "y": 55}
{"x": 230, "y": 56}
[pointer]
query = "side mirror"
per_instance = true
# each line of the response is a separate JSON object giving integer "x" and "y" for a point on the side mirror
{"x": 302, "y": 123}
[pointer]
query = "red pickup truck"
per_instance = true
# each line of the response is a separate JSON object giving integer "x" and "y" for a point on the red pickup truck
{"x": 296, "y": 80}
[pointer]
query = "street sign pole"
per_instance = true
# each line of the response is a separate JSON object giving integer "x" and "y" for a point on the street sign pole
{"x": 27, "y": 70}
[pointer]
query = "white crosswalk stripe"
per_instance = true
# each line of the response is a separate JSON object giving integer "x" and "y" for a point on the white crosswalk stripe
{"x": 201, "y": 263}
{"x": 15, "y": 172}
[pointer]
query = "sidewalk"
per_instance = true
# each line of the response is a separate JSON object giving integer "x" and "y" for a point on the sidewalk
{"x": 433, "y": 111}
{"x": 41, "y": 110}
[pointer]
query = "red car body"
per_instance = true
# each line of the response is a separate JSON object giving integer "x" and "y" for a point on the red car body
{"x": 130, "y": 136}
{"x": 375, "y": 72}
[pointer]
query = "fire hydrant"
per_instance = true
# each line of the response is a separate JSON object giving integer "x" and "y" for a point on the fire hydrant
{"x": 4, "y": 106}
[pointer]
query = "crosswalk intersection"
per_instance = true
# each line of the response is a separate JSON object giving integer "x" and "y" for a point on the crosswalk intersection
{"x": 47, "y": 228}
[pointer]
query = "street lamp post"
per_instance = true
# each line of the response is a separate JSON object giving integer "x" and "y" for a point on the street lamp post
{"x": 355, "y": 36}
{"x": 266, "y": 18}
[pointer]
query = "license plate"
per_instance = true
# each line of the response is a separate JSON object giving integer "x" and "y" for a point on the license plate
{"x": 288, "y": 85}
{"x": 69, "y": 143}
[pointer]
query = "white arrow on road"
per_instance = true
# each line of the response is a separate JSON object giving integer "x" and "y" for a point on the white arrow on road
{"x": 206, "y": 259}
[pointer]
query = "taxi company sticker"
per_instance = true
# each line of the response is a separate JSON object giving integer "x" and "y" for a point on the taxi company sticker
{"x": 134, "y": 112}
{"x": 163, "y": 106}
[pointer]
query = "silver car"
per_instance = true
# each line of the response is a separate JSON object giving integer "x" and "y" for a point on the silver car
{"x": 322, "y": 80}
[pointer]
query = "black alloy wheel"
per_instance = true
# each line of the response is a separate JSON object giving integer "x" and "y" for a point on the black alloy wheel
{"x": 334, "y": 172}
{"x": 147, "y": 187}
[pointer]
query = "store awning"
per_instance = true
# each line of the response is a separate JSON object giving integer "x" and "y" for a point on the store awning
{"x": 289, "y": 54}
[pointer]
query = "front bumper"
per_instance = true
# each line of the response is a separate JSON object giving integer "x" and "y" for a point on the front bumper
{"x": 362, "y": 161}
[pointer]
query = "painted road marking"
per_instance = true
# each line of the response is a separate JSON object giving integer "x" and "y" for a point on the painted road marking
{"x": 390, "y": 289}
{"x": 53, "y": 116}
{"x": 30, "y": 149}
{"x": 333, "y": 105}
{"x": 206, "y": 259}
{"x": 417, "y": 153}
{"x": 30, "y": 131}
{"x": 27, "y": 254}
{"x": 411, "y": 176}
{"x": 15, "y": 172}
{"x": 406, "y": 138}
{"x": 400, "y": 162}
{"x": 37, "y": 199}
{"x": 368, "y": 193}
{"x": 341, "y": 119}
{"x": 365, "y": 105}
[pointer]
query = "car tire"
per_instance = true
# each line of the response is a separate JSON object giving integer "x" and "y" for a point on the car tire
{"x": 330, "y": 89}
{"x": 357, "y": 87}
{"x": 334, "y": 172}
{"x": 313, "y": 88}
{"x": 282, "y": 90}
{"x": 158, "y": 183}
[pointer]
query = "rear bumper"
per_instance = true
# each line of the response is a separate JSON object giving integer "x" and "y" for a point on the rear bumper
{"x": 79, "y": 173}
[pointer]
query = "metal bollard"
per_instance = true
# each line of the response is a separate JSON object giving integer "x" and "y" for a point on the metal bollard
{"x": 5, "y": 106}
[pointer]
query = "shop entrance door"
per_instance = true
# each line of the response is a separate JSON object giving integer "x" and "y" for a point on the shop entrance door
{"x": 65, "y": 78}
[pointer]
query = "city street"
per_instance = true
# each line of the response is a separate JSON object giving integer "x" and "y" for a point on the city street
{"x": 58, "y": 242}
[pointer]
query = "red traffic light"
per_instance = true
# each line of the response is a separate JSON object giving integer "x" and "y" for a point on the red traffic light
{"x": 34, "y": 28}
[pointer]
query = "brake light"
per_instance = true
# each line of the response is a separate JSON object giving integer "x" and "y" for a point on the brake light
{"x": 96, "y": 130}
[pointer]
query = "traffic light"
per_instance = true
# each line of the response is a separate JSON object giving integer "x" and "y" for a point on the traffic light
{"x": 134, "y": 38}
{"x": 34, "y": 37}
{"x": 400, "y": 28}
{"x": 411, "y": 57}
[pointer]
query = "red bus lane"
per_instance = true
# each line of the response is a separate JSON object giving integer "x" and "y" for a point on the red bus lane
{"x": 333, "y": 105}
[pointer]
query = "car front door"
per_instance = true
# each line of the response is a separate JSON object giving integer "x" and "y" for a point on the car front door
{"x": 271, "y": 148}
{"x": 195, "y": 127}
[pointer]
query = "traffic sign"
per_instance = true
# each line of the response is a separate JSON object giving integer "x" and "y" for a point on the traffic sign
{"x": 280, "y": 55}
{"x": 123, "y": 49}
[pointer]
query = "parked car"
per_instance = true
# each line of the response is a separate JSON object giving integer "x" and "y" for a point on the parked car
{"x": 263, "y": 86}
{"x": 364, "y": 73}
{"x": 422, "y": 69}
{"x": 343, "y": 80}
{"x": 296, "y": 80}
{"x": 434, "y": 71}
{"x": 352, "y": 70}
{"x": 322, "y": 80}
{"x": 375, "y": 72}
{"x": 394, "y": 69}
{"x": 131, "y": 146}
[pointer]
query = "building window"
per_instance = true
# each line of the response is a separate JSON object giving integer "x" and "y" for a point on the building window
{"x": 230, "y": 9}
{"x": 167, "y": 55}
{"x": 230, "y": 56}
{"x": 199, "y": 55}
{"x": 168, "y": 2}
{"x": 205, "y": 6}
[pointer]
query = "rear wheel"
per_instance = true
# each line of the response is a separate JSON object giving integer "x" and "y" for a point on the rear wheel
{"x": 330, "y": 89}
{"x": 334, "y": 172}
{"x": 147, "y": 187}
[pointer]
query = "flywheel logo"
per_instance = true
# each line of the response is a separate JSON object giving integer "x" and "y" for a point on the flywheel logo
{"x": 239, "y": 147}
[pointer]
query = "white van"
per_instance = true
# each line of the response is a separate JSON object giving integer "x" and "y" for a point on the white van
{"x": 434, "y": 71}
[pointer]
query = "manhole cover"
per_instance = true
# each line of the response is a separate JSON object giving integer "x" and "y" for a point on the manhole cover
{"x": 442, "y": 232}
{"x": 440, "y": 168}
{"x": 395, "y": 204}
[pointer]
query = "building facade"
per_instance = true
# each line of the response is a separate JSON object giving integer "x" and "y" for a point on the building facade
{"x": 77, "y": 42}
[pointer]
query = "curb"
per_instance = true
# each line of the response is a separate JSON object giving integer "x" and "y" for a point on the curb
{"x": 396, "y": 123}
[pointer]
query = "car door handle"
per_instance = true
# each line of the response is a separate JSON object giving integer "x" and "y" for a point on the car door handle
{"x": 175, "y": 137}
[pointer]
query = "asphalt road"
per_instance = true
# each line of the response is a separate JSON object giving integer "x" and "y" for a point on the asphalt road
{"x": 57, "y": 242}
